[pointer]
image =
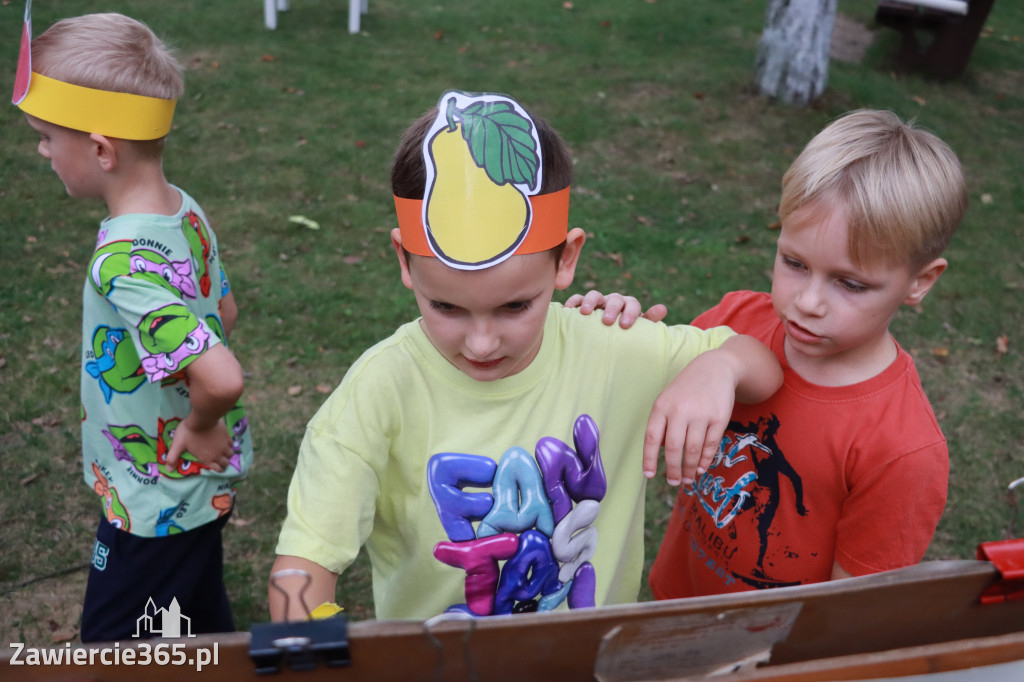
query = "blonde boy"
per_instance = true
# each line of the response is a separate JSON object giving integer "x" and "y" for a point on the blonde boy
{"x": 157, "y": 378}
{"x": 488, "y": 453}
{"x": 844, "y": 470}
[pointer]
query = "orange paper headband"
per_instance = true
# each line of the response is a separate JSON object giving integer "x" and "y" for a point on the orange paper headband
{"x": 483, "y": 170}
{"x": 550, "y": 224}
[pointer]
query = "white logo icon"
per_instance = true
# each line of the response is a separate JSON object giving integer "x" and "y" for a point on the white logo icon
{"x": 170, "y": 620}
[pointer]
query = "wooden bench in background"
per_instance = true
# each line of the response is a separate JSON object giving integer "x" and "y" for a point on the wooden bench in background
{"x": 936, "y": 36}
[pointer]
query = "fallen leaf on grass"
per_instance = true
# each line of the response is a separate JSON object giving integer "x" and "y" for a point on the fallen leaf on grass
{"x": 352, "y": 260}
{"x": 28, "y": 480}
{"x": 304, "y": 221}
{"x": 324, "y": 388}
{"x": 1002, "y": 345}
{"x": 986, "y": 199}
{"x": 46, "y": 421}
{"x": 294, "y": 390}
{"x": 940, "y": 352}
{"x": 241, "y": 523}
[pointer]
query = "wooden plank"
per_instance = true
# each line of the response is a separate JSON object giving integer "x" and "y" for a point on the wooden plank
{"x": 924, "y": 660}
{"x": 922, "y": 605}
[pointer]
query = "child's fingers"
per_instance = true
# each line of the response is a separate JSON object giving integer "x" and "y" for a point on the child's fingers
{"x": 173, "y": 455}
{"x": 653, "y": 438}
{"x": 573, "y": 301}
{"x": 691, "y": 455}
{"x": 702, "y": 443}
{"x": 656, "y": 313}
{"x": 676, "y": 435}
{"x": 595, "y": 299}
{"x": 712, "y": 444}
{"x": 616, "y": 307}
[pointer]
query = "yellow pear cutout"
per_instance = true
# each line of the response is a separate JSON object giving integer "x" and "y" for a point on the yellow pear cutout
{"x": 475, "y": 213}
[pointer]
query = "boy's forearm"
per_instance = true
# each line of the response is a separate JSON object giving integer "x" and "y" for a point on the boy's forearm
{"x": 215, "y": 386}
{"x": 757, "y": 369}
{"x": 228, "y": 313}
{"x": 301, "y": 597}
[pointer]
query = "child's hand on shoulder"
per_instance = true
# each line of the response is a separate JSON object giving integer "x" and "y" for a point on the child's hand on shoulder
{"x": 211, "y": 445}
{"x": 626, "y": 308}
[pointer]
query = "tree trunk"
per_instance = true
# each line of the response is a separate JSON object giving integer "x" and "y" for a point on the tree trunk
{"x": 792, "y": 59}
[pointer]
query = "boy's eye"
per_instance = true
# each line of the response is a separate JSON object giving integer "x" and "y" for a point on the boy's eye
{"x": 791, "y": 262}
{"x": 517, "y": 306}
{"x": 850, "y": 285}
{"x": 442, "y": 306}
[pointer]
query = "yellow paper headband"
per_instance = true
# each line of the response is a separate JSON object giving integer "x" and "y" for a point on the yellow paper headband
{"x": 483, "y": 173}
{"x": 114, "y": 114}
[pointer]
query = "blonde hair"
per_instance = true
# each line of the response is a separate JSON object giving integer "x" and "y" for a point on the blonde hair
{"x": 902, "y": 187}
{"x": 108, "y": 52}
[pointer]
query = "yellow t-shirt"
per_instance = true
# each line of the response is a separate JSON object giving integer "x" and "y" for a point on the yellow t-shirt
{"x": 524, "y": 493}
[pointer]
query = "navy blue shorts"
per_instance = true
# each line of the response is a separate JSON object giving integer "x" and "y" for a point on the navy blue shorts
{"x": 182, "y": 574}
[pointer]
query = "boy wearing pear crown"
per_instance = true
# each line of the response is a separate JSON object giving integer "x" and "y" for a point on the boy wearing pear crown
{"x": 488, "y": 454}
{"x": 157, "y": 378}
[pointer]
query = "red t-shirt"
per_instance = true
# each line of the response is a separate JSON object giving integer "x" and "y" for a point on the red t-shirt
{"x": 855, "y": 474}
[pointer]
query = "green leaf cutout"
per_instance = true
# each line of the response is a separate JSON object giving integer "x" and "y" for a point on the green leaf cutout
{"x": 500, "y": 142}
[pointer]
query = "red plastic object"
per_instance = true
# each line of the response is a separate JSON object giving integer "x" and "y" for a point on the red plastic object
{"x": 1008, "y": 558}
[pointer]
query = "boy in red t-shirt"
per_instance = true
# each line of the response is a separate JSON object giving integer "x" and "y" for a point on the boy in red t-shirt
{"x": 844, "y": 470}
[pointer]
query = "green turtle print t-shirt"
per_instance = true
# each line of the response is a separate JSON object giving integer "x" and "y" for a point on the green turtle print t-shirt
{"x": 150, "y": 307}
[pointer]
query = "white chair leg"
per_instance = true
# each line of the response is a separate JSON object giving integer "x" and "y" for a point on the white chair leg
{"x": 270, "y": 13}
{"x": 354, "y": 7}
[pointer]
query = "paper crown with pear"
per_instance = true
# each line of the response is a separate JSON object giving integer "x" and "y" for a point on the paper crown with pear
{"x": 481, "y": 203}
{"x": 114, "y": 114}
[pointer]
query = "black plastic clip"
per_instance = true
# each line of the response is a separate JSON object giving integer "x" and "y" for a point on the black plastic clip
{"x": 302, "y": 644}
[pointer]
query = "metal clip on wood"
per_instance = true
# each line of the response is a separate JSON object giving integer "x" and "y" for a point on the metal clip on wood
{"x": 467, "y": 658}
{"x": 302, "y": 644}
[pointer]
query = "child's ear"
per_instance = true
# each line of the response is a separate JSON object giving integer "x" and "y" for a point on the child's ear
{"x": 104, "y": 151}
{"x": 569, "y": 258}
{"x": 403, "y": 259}
{"x": 925, "y": 280}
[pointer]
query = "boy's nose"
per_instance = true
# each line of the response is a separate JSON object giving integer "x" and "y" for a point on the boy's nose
{"x": 481, "y": 341}
{"x": 810, "y": 300}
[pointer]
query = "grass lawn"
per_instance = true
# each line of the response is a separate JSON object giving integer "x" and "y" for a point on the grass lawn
{"x": 678, "y": 173}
